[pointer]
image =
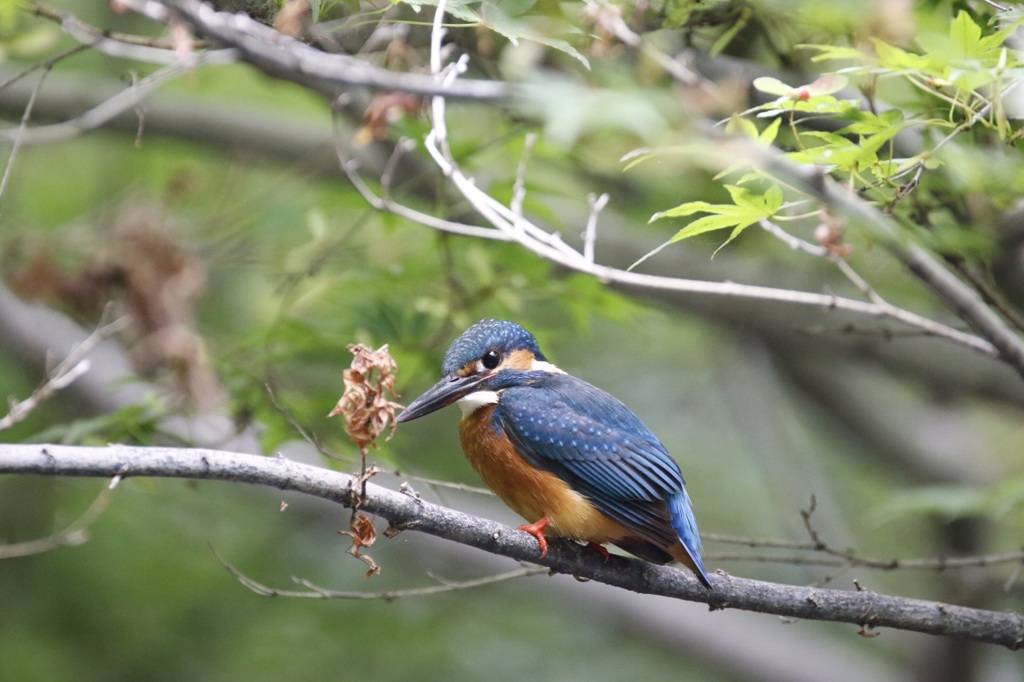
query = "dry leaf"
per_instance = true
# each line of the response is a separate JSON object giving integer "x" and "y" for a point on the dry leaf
{"x": 385, "y": 109}
{"x": 363, "y": 534}
{"x": 365, "y": 404}
{"x": 295, "y": 18}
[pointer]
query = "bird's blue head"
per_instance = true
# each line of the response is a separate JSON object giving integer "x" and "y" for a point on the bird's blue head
{"x": 489, "y": 356}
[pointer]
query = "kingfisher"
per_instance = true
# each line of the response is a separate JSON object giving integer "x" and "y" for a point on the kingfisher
{"x": 569, "y": 458}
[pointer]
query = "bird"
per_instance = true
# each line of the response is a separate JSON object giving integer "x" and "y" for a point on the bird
{"x": 568, "y": 457}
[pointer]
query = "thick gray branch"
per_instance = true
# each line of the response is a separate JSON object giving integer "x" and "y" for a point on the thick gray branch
{"x": 408, "y": 512}
{"x": 289, "y": 59}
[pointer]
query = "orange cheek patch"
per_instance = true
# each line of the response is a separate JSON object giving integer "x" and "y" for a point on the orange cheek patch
{"x": 518, "y": 359}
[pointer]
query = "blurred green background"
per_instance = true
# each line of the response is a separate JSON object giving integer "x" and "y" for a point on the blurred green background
{"x": 228, "y": 188}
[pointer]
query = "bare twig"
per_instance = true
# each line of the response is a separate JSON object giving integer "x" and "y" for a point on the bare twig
{"x": 307, "y": 435}
{"x": 519, "y": 186}
{"x": 597, "y": 204}
{"x": 316, "y": 592}
{"x": 993, "y": 335}
{"x": 791, "y": 241}
{"x": 608, "y": 17}
{"x": 384, "y": 203}
{"x": 61, "y": 376}
{"x": 449, "y": 485}
{"x": 20, "y": 135}
{"x": 76, "y": 533}
{"x": 838, "y": 557}
{"x": 124, "y": 45}
{"x": 99, "y": 115}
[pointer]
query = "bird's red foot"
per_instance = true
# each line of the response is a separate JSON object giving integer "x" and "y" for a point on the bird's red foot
{"x": 600, "y": 549}
{"x": 537, "y": 531}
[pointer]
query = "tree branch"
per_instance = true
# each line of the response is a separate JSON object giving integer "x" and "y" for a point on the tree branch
{"x": 406, "y": 511}
{"x": 61, "y": 376}
{"x": 317, "y": 592}
{"x": 289, "y": 59}
{"x": 961, "y": 298}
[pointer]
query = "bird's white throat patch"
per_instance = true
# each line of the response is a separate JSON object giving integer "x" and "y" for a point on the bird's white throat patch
{"x": 474, "y": 401}
{"x": 540, "y": 366}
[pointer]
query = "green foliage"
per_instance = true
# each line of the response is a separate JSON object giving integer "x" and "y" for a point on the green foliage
{"x": 571, "y": 113}
{"x": 515, "y": 21}
{"x": 748, "y": 207}
{"x": 1003, "y": 502}
{"x": 951, "y": 87}
{"x": 9, "y": 10}
{"x": 298, "y": 266}
{"x": 137, "y": 424}
{"x": 20, "y": 38}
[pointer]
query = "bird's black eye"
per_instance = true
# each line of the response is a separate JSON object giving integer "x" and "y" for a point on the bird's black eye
{"x": 491, "y": 359}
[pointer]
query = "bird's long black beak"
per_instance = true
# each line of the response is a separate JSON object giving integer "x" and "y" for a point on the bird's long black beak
{"x": 442, "y": 394}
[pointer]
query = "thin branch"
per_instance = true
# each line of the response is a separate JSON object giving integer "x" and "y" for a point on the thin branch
{"x": 504, "y": 231}
{"x": 20, "y": 135}
{"x": 317, "y": 592}
{"x": 846, "y": 558}
{"x": 995, "y": 335}
{"x": 597, "y": 204}
{"x": 124, "y": 45}
{"x": 852, "y": 559}
{"x": 76, "y": 533}
{"x": 64, "y": 374}
{"x": 383, "y": 203}
{"x": 792, "y": 241}
{"x": 307, "y": 435}
{"x": 437, "y": 484}
{"x": 404, "y": 512}
{"x": 387, "y": 176}
{"x": 608, "y": 17}
{"x": 519, "y": 186}
{"x": 886, "y": 309}
{"x": 918, "y": 168}
{"x": 101, "y": 114}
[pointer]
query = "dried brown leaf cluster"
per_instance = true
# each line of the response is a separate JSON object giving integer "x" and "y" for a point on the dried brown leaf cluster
{"x": 385, "y": 109}
{"x": 363, "y": 534}
{"x": 365, "y": 404}
{"x": 829, "y": 235}
{"x": 295, "y": 18}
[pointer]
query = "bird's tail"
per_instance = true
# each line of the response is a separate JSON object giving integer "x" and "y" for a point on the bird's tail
{"x": 689, "y": 549}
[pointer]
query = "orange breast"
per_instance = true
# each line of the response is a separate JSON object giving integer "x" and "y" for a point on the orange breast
{"x": 533, "y": 493}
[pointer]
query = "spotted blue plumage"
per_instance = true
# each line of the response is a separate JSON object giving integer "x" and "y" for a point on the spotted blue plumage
{"x": 487, "y": 335}
{"x": 615, "y": 461}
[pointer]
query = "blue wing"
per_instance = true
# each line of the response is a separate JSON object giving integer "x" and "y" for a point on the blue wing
{"x": 596, "y": 444}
